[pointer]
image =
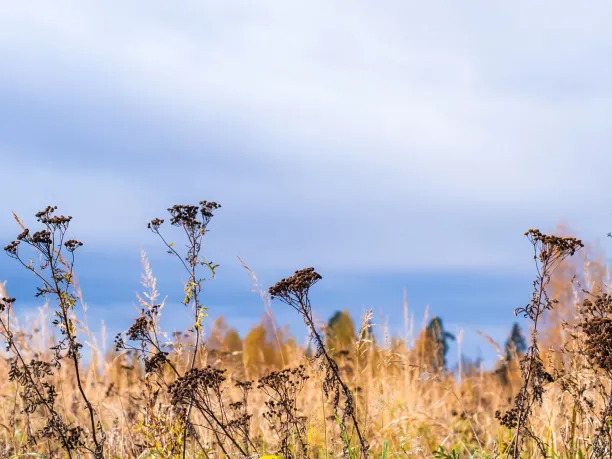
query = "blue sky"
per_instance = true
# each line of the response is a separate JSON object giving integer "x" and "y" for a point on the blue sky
{"x": 398, "y": 145}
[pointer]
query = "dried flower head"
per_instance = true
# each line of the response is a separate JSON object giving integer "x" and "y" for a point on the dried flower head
{"x": 553, "y": 248}
{"x": 207, "y": 208}
{"x": 155, "y": 224}
{"x": 6, "y": 303}
{"x": 195, "y": 384}
{"x": 596, "y": 323}
{"x": 72, "y": 245}
{"x": 184, "y": 215}
{"x": 55, "y": 272}
{"x": 42, "y": 237}
{"x": 292, "y": 289}
{"x": 549, "y": 252}
{"x": 282, "y": 389}
{"x": 11, "y": 249}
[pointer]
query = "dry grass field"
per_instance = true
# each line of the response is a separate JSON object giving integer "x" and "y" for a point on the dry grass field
{"x": 356, "y": 392}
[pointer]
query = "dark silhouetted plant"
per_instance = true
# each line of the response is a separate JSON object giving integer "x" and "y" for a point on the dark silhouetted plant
{"x": 433, "y": 345}
{"x": 596, "y": 326}
{"x": 515, "y": 344}
{"x": 282, "y": 389}
{"x": 294, "y": 291}
{"x": 549, "y": 252}
{"x": 203, "y": 389}
{"x": 55, "y": 271}
{"x": 193, "y": 221}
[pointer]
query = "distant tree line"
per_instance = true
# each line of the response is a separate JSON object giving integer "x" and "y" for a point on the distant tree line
{"x": 268, "y": 346}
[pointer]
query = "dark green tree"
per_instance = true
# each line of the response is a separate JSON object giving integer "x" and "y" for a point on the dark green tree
{"x": 433, "y": 344}
{"x": 515, "y": 344}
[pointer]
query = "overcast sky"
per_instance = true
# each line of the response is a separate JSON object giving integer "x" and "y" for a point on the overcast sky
{"x": 394, "y": 140}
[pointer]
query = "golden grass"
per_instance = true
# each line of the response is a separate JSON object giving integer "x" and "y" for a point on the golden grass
{"x": 405, "y": 406}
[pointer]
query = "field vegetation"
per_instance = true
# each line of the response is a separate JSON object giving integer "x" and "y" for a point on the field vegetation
{"x": 354, "y": 392}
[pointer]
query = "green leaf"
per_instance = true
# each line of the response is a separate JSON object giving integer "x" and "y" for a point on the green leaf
{"x": 385, "y": 449}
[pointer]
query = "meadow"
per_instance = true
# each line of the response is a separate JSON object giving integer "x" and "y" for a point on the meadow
{"x": 355, "y": 392}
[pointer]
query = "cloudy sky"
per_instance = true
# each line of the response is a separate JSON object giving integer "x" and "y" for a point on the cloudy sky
{"x": 397, "y": 145}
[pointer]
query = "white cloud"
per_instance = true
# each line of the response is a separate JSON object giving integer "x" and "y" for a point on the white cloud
{"x": 404, "y": 134}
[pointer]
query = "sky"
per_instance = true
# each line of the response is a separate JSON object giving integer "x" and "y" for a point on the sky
{"x": 402, "y": 145}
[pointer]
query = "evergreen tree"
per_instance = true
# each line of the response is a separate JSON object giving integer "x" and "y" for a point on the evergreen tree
{"x": 433, "y": 346}
{"x": 516, "y": 344}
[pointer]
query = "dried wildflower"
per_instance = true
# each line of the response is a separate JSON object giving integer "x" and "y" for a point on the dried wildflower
{"x": 549, "y": 252}
{"x": 283, "y": 388}
{"x": 294, "y": 291}
{"x": 42, "y": 237}
{"x": 155, "y": 224}
{"x": 207, "y": 209}
{"x": 184, "y": 216}
{"x": 23, "y": 234}
{"x": 55, "y": 272}
{"x": 508, "y": 419}
{"x": 144, "y": 331}
{"x": 11, "y": 248}
{"x": 72, "y": 245}
{"x": 6, "y": 303}
{"x": 195, "y": 382}
{"x": 202, "y": 389}
{"x": 241, "y": 419}
{"x": 295, "y": 288}
{"x": 156, "y": 362}
{"x": 596, "y": 326}
{"x": 46, "y": 213}
{"x": 550, "y": 246}
{"x": 193, "y": 220}
{"x": 596, "y": 323}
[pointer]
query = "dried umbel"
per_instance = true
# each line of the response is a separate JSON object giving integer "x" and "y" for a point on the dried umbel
{"x": 596, "y": 326}
{"x": 37, "y": 392}
{"x": 55, "y": 271}
{"x": 294, "y": 291}
{"x": 145, "y": 332}
{"x": 508, "y": 419}
{"x": 189, "y": 217}
{"x": 193, "y": 220}
{"x": 241, "y": 419}
{"x": 6, "y": 303}
{"x": 202, "y": 389}
{"x": 550, "y": 247}
{"x": 549, "y": 252}
{"x": 189, "y": 389}
{"x": 283, "y": 389}
{"x": 193, "y": 216}
{"x": 195, "y": 384}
